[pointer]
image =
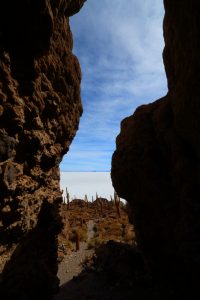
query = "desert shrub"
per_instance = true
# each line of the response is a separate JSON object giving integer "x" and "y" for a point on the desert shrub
{"x": 128, "y": 237}
{"x": 95, "y": 228}
{"x": 95, "y": 242}
{"x": 81, "y": 232}
{"x": 69, "y": 245}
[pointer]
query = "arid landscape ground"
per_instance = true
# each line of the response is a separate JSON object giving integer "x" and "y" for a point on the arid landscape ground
{"x": 98, "y": 257}
{"x": 93, "y": 246}
{"x": 93, "y": 223}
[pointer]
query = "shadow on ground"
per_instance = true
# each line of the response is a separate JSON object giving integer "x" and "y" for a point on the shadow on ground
{"x": 118, "y": 272}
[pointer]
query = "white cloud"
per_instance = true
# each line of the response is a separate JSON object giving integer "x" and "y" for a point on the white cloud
{"x": 119, "y": 45}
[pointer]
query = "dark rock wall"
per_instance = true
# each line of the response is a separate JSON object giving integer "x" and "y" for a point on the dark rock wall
{"x": 40, "y": 108}
{"x": 156, "y": 165}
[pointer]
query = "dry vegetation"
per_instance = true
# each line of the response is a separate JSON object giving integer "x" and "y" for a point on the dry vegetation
{"x": 110, "y": 222}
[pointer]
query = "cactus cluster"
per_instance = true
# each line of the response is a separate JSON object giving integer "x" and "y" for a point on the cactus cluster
{"x": 109, "y": 216}
{"x": 99, "y": 201}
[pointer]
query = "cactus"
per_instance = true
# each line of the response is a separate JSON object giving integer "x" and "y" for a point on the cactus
{"x": 86, "y": 200}
{"x": 117, "y": 204}
{"x": 77, "y": 240}
{"x": 92, "y": 199}
{"x": 67, "y": 195}
{"x": 111, "y": 200}
{"x": 101, "y": 205}
{"x": 96, "y": 196}
{"x": 81, "y": 222}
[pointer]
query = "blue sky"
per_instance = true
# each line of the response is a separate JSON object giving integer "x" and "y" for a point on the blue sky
{"x": 119, "y": 45}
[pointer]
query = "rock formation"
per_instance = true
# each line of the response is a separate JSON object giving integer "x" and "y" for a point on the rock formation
{"x": 156, "y": 165}
{"x": 40, "y": 108}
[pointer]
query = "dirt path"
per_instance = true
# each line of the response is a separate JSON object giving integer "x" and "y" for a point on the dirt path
{"x": 90, "y": 229}
{"x": 71, "y": 265}
{"x": 115, "y": 273}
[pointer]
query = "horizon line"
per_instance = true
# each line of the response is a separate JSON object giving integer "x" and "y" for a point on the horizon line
{"x": 86, "y": 171}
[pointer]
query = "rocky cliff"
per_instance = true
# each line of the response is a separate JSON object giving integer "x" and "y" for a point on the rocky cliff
{"x": 156, "y": 165}
{"x": 40, "y": 108}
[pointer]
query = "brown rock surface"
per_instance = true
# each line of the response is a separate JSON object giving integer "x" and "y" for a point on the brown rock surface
{"x": 40, "y": 108}
{"x": 156, "y": 164}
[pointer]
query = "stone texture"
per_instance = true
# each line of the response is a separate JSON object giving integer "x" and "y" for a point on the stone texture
{"x": 156, "y": 165}
{"x": 40, "y": 108}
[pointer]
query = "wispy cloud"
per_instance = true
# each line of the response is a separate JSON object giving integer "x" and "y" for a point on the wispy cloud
{"x": 119, "y": 45}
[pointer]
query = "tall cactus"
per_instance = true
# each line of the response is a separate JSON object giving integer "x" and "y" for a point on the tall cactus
{"x": 117, "y": 204}
{"x": 101, "y": 205}
{"x": 86, "y": 200}
{"x": 68, "y": 197}
{"x": 77, "y": 239}
{"x": 111, "y": 200}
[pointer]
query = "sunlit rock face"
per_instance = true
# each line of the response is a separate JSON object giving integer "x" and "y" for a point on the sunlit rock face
{"x": 40, "y": 108}
{"x": 156, "y": 165}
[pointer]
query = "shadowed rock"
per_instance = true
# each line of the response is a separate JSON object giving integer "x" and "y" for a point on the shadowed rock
{"x": 156, "y": 164}
{"x": 40, "y": 108}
